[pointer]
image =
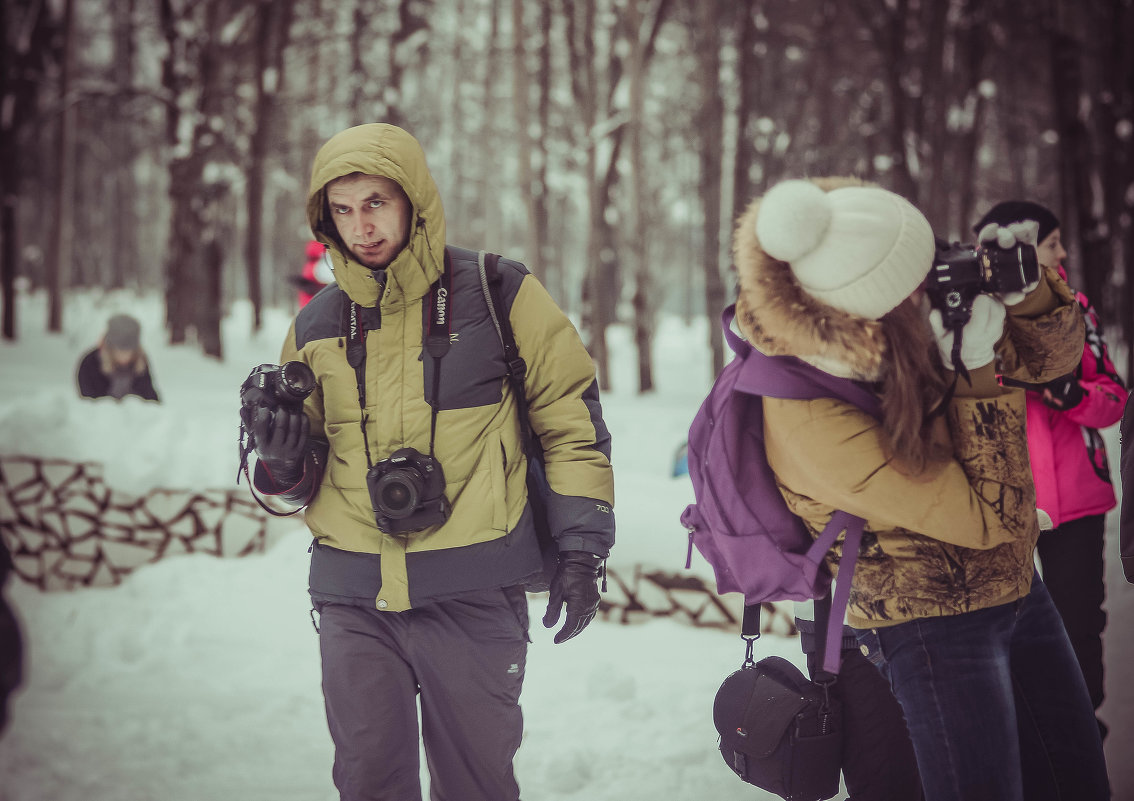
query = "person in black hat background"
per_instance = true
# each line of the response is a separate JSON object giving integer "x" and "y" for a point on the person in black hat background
{"x": 118, "y": 366}
{"x": 1069, "y": 461}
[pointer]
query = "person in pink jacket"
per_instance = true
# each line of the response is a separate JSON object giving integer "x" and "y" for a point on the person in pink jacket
{"x": 1069, "y": 463}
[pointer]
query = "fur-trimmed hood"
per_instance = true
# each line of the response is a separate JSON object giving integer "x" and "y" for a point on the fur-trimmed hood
{"x": 779, "y": 318}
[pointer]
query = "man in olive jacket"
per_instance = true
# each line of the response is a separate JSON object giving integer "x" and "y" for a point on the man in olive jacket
{"x": 409, "y": 455}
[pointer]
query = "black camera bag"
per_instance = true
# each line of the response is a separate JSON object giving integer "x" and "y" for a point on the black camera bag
{"x": 780, "y": 731}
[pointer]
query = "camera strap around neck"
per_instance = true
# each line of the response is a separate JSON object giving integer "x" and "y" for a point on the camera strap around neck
{"x": 436, "y": 343}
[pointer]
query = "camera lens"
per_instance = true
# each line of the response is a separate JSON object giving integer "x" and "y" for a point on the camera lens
{"x": 297, "y": 380}
{"x": 397, "y": 492}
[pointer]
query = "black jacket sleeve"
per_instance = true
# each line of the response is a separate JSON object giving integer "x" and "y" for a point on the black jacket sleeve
{"x": 92, "y": 381}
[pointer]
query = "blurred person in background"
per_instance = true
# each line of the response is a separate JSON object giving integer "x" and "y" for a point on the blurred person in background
{"x": 118, "y": 366}
{"x": 1069, "y": 461}
{"x": 316, "y": 272}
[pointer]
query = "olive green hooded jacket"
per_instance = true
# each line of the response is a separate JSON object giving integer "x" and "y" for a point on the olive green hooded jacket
{"x": 489, "y": 539}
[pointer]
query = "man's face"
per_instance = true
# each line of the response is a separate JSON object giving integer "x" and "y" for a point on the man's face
{"x": 372, "y": 216}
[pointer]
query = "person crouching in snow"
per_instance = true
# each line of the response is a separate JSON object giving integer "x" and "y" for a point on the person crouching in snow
{"x": 118, "y": 366}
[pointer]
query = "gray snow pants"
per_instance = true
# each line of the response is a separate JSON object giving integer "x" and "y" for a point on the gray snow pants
{"x": 466, "y": 658}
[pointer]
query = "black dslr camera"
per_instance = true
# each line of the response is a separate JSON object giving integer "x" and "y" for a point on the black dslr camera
{"x": 407, "y": 491}
{"x": 961, "y": 272}
{"x": 273, "y": 386}
{"x": 270, "y": 387}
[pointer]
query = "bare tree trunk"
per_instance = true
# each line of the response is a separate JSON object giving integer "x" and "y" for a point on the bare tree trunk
{"x": 550, "y": 268}
{"x": 273, "y": 20}
{"x": 521, "y": 103}
{"x": 490, "y": 178}
{"x": 887, "y": 23}
{"x": 1116, "y": 105}
{"x": 746, "y": 72}
{"x": 645, "y": 311}
{"x": 584, "y": 86}
{"x": 711, "y": 119}
{"x": 643, "y": 302}
{"x": 210, "y": 313}
{"x": 124, "y": 247}
{"x": 405, "y": 53}
{"x": 1076, "y": 152}
{"x": 972, "y": 50}
{"x": 61, "y": 252}
{"x": 15, "y": 102}
{"x": 931, "y": 132}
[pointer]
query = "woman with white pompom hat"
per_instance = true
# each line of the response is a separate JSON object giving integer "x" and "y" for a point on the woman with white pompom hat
{"x": 943, "y": 600}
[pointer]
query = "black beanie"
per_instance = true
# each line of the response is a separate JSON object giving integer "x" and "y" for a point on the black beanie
{"x": 1013, "y": 211}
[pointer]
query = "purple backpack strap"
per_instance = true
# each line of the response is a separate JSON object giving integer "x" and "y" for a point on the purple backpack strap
{"x": 789, "y": 377}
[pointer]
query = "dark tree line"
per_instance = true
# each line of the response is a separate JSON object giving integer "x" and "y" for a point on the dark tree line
{"x": 164, "y": 145}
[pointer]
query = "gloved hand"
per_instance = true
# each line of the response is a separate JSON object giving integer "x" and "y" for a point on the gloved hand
{"x": 575, "y": 584}
{"x": 1063, "y": 393}
{"x": 978, "y": 337}
{"x": 281, "y": 442}
{"x": 1022, "y": 233}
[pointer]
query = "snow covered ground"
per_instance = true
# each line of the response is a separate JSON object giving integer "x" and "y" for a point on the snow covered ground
{"x": 198, "y": 678}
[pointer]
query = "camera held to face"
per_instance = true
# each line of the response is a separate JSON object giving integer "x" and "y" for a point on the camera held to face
{"x": 407, "y": 491}
{"x": 961, "y": 272}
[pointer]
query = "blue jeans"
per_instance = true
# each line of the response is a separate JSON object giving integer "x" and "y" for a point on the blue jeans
{"x": 996, "y": 704}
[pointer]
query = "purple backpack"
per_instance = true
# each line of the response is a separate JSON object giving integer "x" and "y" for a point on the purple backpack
{"x": 740, "y": 522}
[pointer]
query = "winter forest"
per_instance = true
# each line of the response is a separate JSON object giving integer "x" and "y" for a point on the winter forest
{"x": 164, "y": 145}
{"x": 155, "y": 158}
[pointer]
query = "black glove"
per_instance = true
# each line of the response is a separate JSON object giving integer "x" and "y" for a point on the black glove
{"x": 281, "y": 442}
{"x": 1063, "y": 393}
{"x": 576, "y": 585}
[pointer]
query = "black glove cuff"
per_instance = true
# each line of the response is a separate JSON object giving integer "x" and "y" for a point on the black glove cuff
{"x": 581, "y": 558}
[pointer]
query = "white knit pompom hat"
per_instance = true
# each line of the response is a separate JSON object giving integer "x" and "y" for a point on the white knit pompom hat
{"x": 861, "y": 249}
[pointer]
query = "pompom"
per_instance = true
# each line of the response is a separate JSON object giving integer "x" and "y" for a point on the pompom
{"x": 793, "y": 218}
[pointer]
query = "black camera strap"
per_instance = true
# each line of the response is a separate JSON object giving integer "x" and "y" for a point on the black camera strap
{"x": 356, "y": 358}
{"x": 436, "y": 343}
{"x": 438, "y": 337}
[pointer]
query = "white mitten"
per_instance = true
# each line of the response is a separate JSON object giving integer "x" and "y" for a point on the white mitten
{"x": 978, "y": 337}
{"x": 1025, "y": 232}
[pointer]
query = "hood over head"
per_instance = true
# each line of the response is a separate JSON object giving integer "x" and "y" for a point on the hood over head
{"x": 845, "y": 254}
{"x": 390, "y": 152}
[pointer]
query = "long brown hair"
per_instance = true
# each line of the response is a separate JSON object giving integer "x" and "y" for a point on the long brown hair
{"x": 913, "y": 384}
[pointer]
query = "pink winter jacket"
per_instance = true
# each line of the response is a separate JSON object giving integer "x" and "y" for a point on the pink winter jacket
{"x": 1068, "y": 456}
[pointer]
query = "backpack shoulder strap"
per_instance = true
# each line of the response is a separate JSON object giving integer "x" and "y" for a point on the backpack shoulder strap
{"x": 788, "y": 377}
{"x": 490, "y": 281}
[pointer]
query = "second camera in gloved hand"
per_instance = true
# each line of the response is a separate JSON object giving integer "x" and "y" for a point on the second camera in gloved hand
{"x": 1063, "y": 393}
{"x": 575, "y": 586}
{"x": 281, "y": 442}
